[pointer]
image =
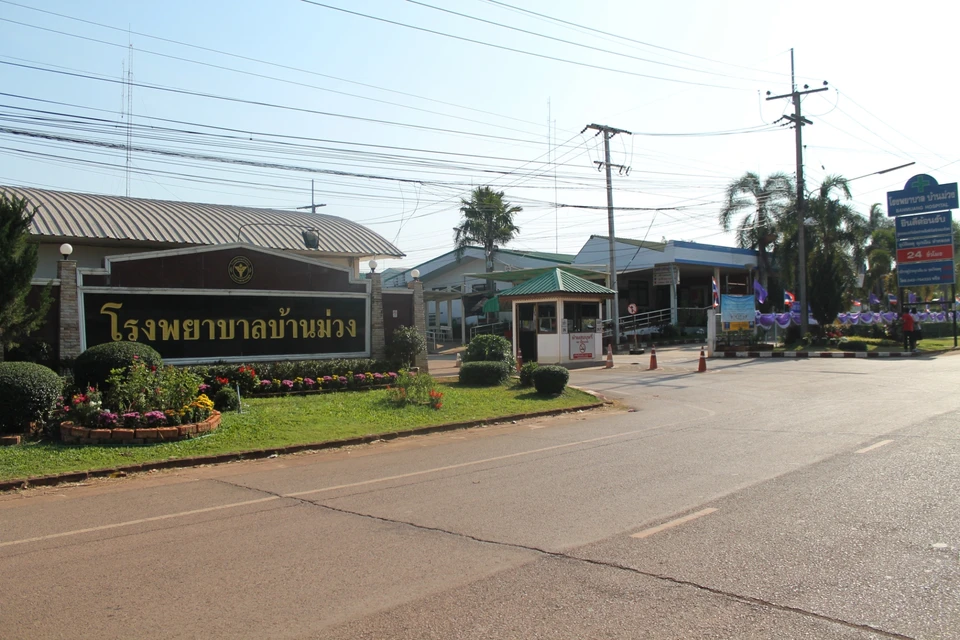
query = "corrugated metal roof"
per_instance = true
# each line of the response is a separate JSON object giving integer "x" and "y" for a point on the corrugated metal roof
{"x": 556, "y": 281}
{"x": 79, "y": 215}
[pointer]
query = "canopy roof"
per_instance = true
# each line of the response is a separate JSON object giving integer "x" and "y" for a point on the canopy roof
{"x": 556, "y": 281}
{"x": 523, "y": 275}
{"x": 63, "y": 215}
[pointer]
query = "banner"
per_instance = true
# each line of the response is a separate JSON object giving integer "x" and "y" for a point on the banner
{"x": 737, "y": 313}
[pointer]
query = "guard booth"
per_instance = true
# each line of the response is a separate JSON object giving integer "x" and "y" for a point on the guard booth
{"x": 557, "y": 319}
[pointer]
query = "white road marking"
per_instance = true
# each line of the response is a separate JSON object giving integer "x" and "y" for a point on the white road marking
{"x": 298, "y": 494}
{"x": 646, "y": 533}
{"x": 140, "y": 521}
{"x": 875, "y": 446}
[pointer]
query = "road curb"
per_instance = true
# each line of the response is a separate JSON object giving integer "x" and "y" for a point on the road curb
{"x": 255, "y": 454}
{"x": 826, "y": 354}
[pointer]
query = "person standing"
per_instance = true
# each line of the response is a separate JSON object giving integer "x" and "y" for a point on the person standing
{"x": 909, "y": 341}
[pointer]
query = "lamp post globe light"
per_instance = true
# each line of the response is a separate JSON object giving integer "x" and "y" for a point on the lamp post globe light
{"x": 415, "y": 274}
{"x": 66, "y": 249}
{"x": 373, "y": 266}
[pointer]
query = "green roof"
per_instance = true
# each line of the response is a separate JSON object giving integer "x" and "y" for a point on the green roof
{"x": 556, "y": 281}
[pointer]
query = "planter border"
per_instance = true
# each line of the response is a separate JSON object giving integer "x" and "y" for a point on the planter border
{"x": 72, "y": 434}
{"x": 254, "y": 454}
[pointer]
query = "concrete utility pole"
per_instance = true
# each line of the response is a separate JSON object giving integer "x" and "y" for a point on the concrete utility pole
{"x": 609, "y": 132}
{"x": 798, "y": 121}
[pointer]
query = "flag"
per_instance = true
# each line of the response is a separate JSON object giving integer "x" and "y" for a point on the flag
{"x": 856, "y": 303}
{"x": 716, "y": 293}
{"x": 892, "y": 298}
{"x": 788, "y": 298}
{"x": 760, "y": 291}
{"x": 911, "y": 297}
{"x": 874, "y": 299}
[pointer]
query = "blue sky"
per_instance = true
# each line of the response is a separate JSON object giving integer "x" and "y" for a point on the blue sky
{"x": 396, "y": 124}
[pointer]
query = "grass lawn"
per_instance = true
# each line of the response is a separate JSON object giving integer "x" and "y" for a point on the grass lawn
{"x": 276, "y": 422}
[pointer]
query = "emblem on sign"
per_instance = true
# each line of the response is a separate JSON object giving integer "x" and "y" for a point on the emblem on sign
{"x": 240, "y": 270}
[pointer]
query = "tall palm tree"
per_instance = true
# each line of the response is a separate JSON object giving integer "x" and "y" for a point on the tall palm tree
{"x": 879, "y": 249}
{"x": 487, "y": 221}
{"x": 764, "y": 200}
{"x": 834, "y": 233}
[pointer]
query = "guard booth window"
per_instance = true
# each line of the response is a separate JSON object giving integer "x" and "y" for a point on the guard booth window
{"x": 581, "y": 317}
{"x": 547, "y": 317}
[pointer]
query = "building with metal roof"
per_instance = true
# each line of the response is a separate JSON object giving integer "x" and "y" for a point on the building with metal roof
{"x": 102, "y": 225}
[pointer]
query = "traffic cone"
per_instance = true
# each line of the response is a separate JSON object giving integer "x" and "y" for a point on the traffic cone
{"x": 458, "y": 362}
{"x": 703, "y": 363}
{"x": 609, "y": 357}
{"x": 653, "y": 358}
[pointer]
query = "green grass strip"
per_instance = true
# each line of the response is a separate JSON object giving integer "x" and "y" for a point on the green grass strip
{"x": 276, "y": 422}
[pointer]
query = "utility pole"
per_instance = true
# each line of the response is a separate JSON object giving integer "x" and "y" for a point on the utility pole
{"x": 798, "y": 121}
{"x": 609, "y": 132}
{"x": 313, "y": 206}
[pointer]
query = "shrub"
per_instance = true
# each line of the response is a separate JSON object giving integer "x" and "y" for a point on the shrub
{"x": 488, "y": 348}
{"x": 853, "y": 345}
{"x": 484, "y": 373}
{"x": 405, "y": 345}
{"x": 550, "y": 379}
{"x": 526, "y": 373}
{"x": 28, "y": 392}
{"x": 144, "y": 388}
{"x": 226, "y": 400}
{"x": 414, "y": 388}
{"x": 93, "y": 366}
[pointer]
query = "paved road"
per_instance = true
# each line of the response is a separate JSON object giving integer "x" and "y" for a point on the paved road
{"x": 763, "y": 499}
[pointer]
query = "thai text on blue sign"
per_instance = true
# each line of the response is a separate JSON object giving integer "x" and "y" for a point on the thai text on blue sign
{"x": 924, "y": 230}
{"x": 737, "y": 313}
{"x": 919, "y": 274}
{"x": 922, "y": 194}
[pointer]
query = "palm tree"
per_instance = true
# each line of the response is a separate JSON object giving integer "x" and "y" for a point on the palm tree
{"x": 487, "y": 221}
{"x": 765, "y": 200}
{"x": 879, "y": 249}
{"x": 834, "y": 233}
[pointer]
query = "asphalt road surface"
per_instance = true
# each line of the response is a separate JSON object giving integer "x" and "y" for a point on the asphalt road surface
{"x": 762, "y": 499}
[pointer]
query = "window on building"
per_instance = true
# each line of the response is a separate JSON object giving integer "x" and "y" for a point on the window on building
{"x": 547, "y": 317}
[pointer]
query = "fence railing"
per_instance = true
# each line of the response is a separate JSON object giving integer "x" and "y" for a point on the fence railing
{"x": 649, "y": 321}
{"x": 497, "y": 328}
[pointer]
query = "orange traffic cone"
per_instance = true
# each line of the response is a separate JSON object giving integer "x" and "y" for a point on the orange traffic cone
{"x": 653, "y": 358}
{"x": 703, "y": 362}
{"x": 609, "y": 364}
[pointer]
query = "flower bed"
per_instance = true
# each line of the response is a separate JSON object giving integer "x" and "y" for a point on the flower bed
{"x": 294, "y": 377}
{"x": 73, "y": 434}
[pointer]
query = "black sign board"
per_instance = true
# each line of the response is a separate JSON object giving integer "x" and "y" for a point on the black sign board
{"x": 210, "y": 326}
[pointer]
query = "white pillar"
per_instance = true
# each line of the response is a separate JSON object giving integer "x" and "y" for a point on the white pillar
{"x": 711, "y": 331}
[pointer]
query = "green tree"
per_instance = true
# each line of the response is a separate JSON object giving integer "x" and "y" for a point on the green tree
{"x": 880, "y": 252}
{"x": 765, "y": 201}
{"x": 834, "y": 236}
{"x": 487, "y": 221}
{"x": 18, "y": 263}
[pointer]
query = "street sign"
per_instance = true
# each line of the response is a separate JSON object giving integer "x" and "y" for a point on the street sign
{"x": 918, "y": 274}
{"x": 924, "y": 230}
{"x": 631, "y": 308}
{"x": 922, "y": 194}
{"x": 941, "y": 252}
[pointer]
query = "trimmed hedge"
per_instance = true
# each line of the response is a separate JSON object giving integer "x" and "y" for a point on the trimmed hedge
{"x": 526, "y": 373}
{"x": 93, "y": 366}
{"x": 484, "y": 374}
{"x": 226, "y": 399}
{"x": 28, "y": 392}
{"x": 488, "y": 348}
{"x": 550, "y": 379}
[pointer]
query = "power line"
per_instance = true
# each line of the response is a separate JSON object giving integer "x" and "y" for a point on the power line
{"x": 520, "y": 51}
